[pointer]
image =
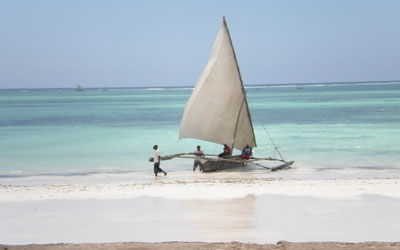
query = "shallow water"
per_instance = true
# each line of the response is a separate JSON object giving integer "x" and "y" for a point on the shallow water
{"x": 353, "y": 126}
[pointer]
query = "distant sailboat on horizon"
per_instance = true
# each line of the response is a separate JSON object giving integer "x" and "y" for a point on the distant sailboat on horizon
{"x": 79, "y": 88}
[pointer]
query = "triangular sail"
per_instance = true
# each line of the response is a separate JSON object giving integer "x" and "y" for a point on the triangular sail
{"x": 217, "y": 109}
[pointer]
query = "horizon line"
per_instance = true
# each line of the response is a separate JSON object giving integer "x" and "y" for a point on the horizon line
{"x": 190, "y": 86}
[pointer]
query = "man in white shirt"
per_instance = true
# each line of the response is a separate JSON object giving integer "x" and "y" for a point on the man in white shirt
{"x": 157, "y": 161}
{"x": 198, "y": 155}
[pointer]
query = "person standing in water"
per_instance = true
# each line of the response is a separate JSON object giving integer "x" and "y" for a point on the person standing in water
{"x": 198, "y": 155}
{"x": 157, "y": 161}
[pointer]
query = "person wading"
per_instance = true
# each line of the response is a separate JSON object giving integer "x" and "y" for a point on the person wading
{"x": 198, "y": 155}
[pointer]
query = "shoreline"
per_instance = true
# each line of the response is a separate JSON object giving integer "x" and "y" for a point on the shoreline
{"x": 281, "y": 245}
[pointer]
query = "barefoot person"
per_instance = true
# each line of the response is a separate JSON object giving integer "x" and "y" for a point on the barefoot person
{"x": 157, "y": 161}
{"x": 198, "y": 155}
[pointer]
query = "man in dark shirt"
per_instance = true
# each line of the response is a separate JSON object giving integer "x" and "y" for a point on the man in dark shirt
{"x": 247, "y": 152}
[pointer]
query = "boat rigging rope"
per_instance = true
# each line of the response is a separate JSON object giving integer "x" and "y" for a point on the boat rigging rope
{"x": 273, "y": 143}
{"x": 276, "y": 148}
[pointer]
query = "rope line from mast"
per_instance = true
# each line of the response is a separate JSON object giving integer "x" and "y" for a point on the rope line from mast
{"x": 276, "y": 148}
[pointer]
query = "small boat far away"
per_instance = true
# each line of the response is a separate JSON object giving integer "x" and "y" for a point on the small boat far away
{"x": 79, "y": 88}
{"x": 104, "y": 89}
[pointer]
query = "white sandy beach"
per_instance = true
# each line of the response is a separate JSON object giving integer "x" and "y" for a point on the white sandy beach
{"x": 211, "y": 186}
{"x": 189, "y": 207}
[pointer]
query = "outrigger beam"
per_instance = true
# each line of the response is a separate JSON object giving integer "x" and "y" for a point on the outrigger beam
{"x": 251, "y": 160}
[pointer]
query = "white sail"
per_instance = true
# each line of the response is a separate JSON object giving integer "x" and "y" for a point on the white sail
{"x": 217, "y": 109}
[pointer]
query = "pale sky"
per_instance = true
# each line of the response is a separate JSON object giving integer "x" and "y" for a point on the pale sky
{"x": 56, "y": 44}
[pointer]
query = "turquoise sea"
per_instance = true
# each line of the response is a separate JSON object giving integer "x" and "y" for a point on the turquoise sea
{"x": 339, "y": 126}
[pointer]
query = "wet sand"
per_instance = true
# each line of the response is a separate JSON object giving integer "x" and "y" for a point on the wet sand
{"x": 282, "y": 245}
{"x": 205, "y": 209}
{"x": 255, "y": 219}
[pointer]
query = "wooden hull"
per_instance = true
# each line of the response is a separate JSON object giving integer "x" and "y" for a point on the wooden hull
{"x": 218, "y": 165}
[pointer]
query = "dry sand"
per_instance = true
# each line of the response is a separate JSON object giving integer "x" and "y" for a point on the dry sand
{"x": 282, "y": 245}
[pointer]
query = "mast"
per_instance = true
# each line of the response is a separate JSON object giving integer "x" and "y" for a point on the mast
{"x": 243, "y": 90}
